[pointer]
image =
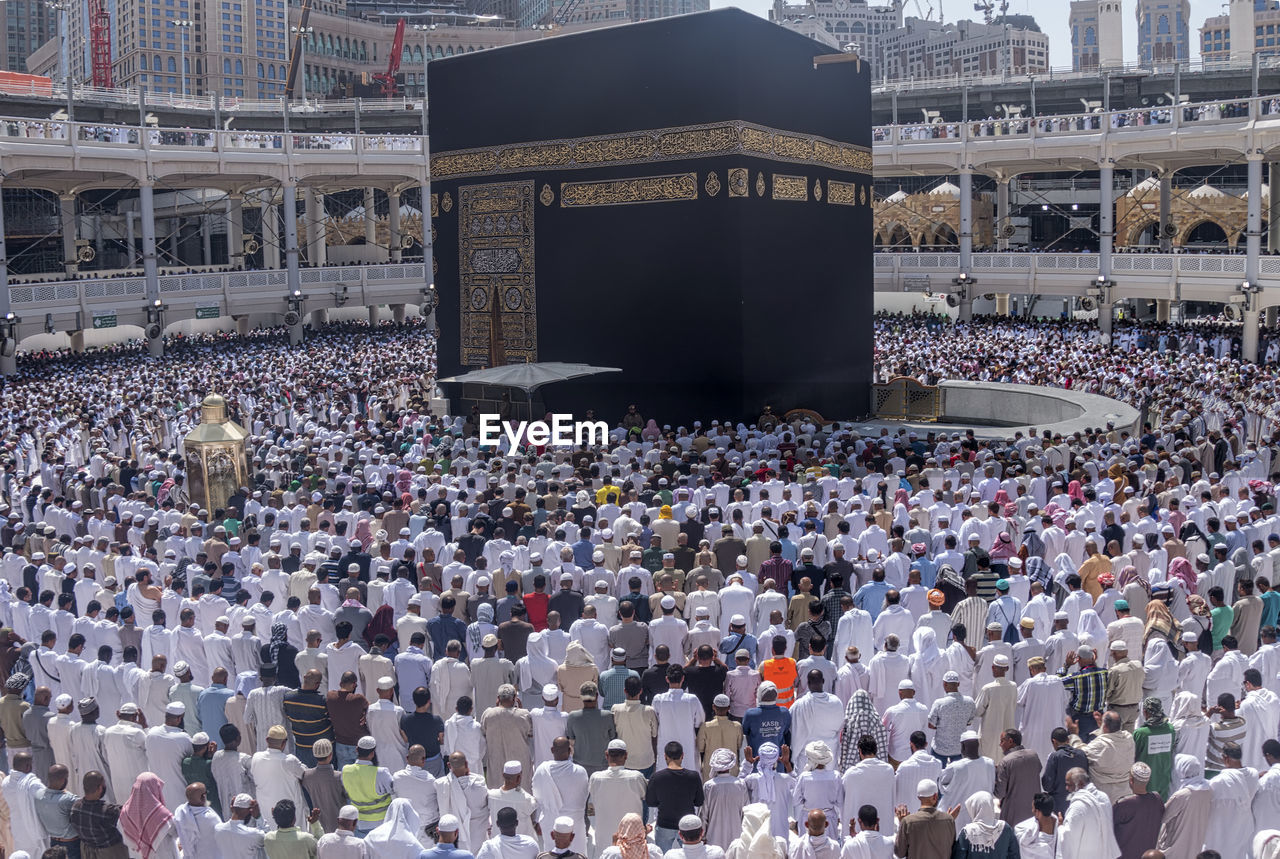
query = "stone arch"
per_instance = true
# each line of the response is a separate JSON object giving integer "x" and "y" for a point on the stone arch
{"x": 895, "y": 235}
{"x": 1141, "y": 230}
{"x": 1205, "y": 231}
{"x": 941, "y": 235}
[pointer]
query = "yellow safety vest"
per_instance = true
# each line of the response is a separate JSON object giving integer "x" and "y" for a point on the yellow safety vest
{"x": 361, "y": 781}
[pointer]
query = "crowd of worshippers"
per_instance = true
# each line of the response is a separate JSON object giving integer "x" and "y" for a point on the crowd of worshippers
{"x": 768, "y": 640}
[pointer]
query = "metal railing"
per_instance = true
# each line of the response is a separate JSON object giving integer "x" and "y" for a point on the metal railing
{"x": 908, "y": 261}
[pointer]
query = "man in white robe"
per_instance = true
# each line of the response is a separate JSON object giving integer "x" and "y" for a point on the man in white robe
{"x": 725, "y": 797}
{"x": 124, "y": 745}
{"x": 1260, "y": 710}
{"x": 680, "y": 715}
{"x": 465, "y": 796}
{"x": 868, "y": 782}
{"x": 450, "y": 680}
{"x": 167, "y": 745}
{"x": 996, "y": 708}
{"x": 19, "y": 788}
{"x": 188, "y": 647}
{"x": 965, "y": 776}
{"x": 549, "y": 722}
{"x": 920, "y": 766}
{"x": 1087, "y": 828}
{"x": 560, "y": 789}
{"x": 383, "y": 718}
{"x": 86, "y": 744}
{"x": 1230, "y": 823}
{"x": 886, "y": 670}
{"x": 817, "y": 716}
{"x": 1042, "y": 701}
{"x": 615, "y": 792}
{"x": 1266, "y": 802}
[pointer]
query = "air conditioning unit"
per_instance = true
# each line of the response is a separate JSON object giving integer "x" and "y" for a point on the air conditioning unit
{"x": 1233, "y": 312}
{"x": 1008, "y": 231}
{"x": 86, "y": 253}
{"x": 1088, "y": 303}
{"x": 953, "y": 300}
{"x": 407, "y": 241}
{"x": 1169, "y": 231}
{"x": 154, "y": 331}
{"x": 292, "y": 318}
{"x": 251, "y": 246}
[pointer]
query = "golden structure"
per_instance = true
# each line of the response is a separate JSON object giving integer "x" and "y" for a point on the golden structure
{"x": 931, "y": 219}
{"x": 1199, "y": 215}
{"x": 216, "y": 455}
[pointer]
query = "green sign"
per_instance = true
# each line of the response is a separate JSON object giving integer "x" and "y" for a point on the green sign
{"x": 213, "y": 311}
{"x": 104, "y": 320}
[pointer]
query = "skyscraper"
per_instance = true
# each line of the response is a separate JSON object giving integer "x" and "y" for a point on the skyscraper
{"x": 1096, "y": 34}
{"x": 1164, "y": 31}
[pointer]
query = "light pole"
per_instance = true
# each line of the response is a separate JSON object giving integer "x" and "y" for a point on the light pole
{"x": 182, "y": 25}
{"x": 303, "y": 33}
{"x": 425, "y": 29}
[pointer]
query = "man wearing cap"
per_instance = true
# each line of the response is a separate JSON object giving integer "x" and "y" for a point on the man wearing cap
{"x": 368, "y": 785}
{"x": 86, "y": 743}
{"x": 928, "y": 833}
{"x": 590, "y": 728}
{"x": 565, "y": 836}
{"x": 166, "y": 747}
{"x": 996, "y": 707}
{"x": 725, "y": 796}
{"x": 276, "y": 775}
{"x": 1042, "y": 701}
{"x": 124, "y": 747}
{"x": 1124, "y": 684}
{"x": 965, "y": 776}
{"x": 1137, "y": 818}
{"x": 511, "y": 796}
{"x": 447, "y": 833}
{"x": 197, "y": 767}
{"x": 344, "y": 842}
{"x": 507, "y": 729}
{"x": 615, "y": 792}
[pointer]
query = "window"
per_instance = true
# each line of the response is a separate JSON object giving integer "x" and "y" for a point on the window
{"x": 142, "y": 61}
{"x": 262, "y": 71}
{"x": 172, "y": 65}
{"x": 226, "y": 68}
{"x": 239, "y": 67}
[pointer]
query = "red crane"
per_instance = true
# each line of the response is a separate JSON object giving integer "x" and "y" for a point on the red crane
{"x": 387, "y": 79}
{"x": 100, "y": 43}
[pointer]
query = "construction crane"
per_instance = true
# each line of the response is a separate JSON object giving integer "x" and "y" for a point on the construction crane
{"x": 296, "y": 52}
{"x": 100, "y": 44}
{"x": 387, "y": 79}
{"x": 988, "y": 9}
{"x": 923, "y": 15}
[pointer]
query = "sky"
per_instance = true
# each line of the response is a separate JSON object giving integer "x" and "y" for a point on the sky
{"x": 1051, "y": 15}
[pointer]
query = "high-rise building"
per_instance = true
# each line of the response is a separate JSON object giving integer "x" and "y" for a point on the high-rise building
{"x": 1096, "y": 34}
{"x": 851, "y": 22}
{"x": 926, "y": 49}
{"x": 1164, "y": 31}
{"x": 1249, "y": 27}
{"x": 28, "y": 24}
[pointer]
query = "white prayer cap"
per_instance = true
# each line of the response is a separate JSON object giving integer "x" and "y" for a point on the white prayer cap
{"x": 720, "y": 700}
{"x": 1118, "y": 645}
{"x": 951, "y": 677}
{"x": 636, "y": 553}
{"x": 244, "y": 800}
{"x": 350, "y": 812}
{"x": 926, "y": 787}
{"x": 617, "y": 746}
{"x": 550, "y": 692}
{"x": 483, "y": 582}
{"x": 903, "y": 685}
{"x": 175, "y": 708}
{"x": 1000, "y": 661}
{"x": 668, "y": 602}
{"x": 447, "y": 823}
{"x": 737, "y": 620}
{"x": 248, "y": 623}
{"x": 564, "y": 825}
{"x": 688, "y": 823}
{"x": 702, "y": 611}
{"x": 1140, "y": 772}
{"x": 535, "y": 558}
{"x": 128, "y": 709}
{"x": 200, "y": 739}
{"x": 1061, "y": 615}
{"x": 367, "y": 744}
{"x": 64, "y": 700}
{"x": 385, "y": 683}
{"x": 597, "y": 557}
{"x": 1015, "y": 563}
{"x": 1190, "y": 636}
{"x": 512, "y": 768}
{"x": 564, "y": 577}
{"x": 181, "y": 668}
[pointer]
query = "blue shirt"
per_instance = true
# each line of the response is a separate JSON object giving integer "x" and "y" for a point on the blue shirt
{"x": 212, "y": 709}
{"x": 767, "y": 724}
{"x": 928, "y": 571}
{"x": 445, "y": 851}
{"x": 870, "y": 598}
{"x": 732, "y": 643}
{"x": 1271, "y": 608}
{"x": 582, "y": 552}
{"x": 789, "y": 551}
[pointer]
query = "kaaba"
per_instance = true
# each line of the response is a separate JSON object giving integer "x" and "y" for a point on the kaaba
{"x": 688, "y": 199}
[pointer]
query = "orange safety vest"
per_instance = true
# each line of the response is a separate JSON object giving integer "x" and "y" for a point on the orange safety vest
{"x": 781, "y": 672}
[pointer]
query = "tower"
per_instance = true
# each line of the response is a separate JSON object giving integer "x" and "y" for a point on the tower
{"x": 1110, "y": 34}
{"x": 1241, "y": 32}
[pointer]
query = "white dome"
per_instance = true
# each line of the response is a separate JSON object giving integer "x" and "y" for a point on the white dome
{"x": 1266, "y": 192}
{"x": 1148, "y": 184}
{"x": 1204, "y": 192}
{"x": 946, "y": 189}
{"x": 896, "y": 197}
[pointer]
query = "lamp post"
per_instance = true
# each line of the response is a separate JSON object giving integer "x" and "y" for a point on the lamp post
{"x": 425, "y": 29}
{"x": 182, "y": 25}
{"x": 304, "y": 33}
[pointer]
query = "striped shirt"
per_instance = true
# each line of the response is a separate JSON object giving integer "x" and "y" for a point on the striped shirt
{"x": 308, "y": 717}
{"x": 1220, "y": 734}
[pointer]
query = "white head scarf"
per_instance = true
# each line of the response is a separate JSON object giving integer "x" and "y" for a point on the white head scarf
{"x": 577, "y": 656}
{"x": 925, "y": 644}
{"x": 1090, "y": 625}
{"x": 1158, "y": 657}
{"x": 817, "y": 754}
{"x": 1186, "y": 711}
{"x": 396, "y": 837}
{"x": 768, "y": 769}
{"x": 540, "y": 666}
{"x": 756, "y": 838}
{"x": 985, "y": 829}
{"x": 1190, "y": 773}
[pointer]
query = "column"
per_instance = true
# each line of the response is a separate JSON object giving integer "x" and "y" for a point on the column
{"x": 1166, "y": 211}
{"x": 67, "y": 214}
{"x": 8, "y": 363}
{"x": 370, "y": 220}
{"x": 1003, "y": 215}
{"x": 242, "y": 325}
{"x": 206, "y": 240}
{"x": 289, "y": 194}
{"x": 397, "y": 314}
{"x": 1273, "y": 213}
{"x": 319, "y": 318}
{"x": 150, "y": 270}
{"x": 373, "y": 316}
{"x": 130, "y": 239}
{"x": 1106, "y": 239}
{"x": 1162, "y": 309}
{"x": 235, "y": 230}
{"x": 1002, "y": 304}
{"x": 77, "y": 341}
{"x": 966, "y": 239}
{"x": 1272, "y": 315}
{"x": 316, "y": 249}
{"x": 393, "y": 222}
{"x": 270, "y": 233}
{"x": 1253, "y": 254}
